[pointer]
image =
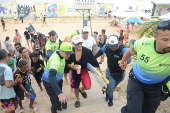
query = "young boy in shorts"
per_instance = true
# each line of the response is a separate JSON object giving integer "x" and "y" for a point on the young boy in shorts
{"x": 24, "y": 87}
{"x": 37, "y": 66}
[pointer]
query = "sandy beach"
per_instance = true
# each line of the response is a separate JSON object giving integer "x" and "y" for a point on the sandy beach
{"x": 95, "y": 102}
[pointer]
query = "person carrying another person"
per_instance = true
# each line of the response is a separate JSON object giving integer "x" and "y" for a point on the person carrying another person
{"x": 52, "y": 44}
{"x": 53, "y": 74}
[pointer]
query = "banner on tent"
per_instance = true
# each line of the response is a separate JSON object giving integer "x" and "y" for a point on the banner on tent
{"x": 7, "y": 9}
{"x": 161, "y": 9}
{"x": 57, "y": 9}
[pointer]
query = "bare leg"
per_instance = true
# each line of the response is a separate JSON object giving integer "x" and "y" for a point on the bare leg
{"x": 11, "y": 111}
{"x": 28, "y": 44}
{"x": 76, "y": 91}
{"x": 31, "y": 102}
{"x": 84, "y": 88}
{"x": 66, "y": 81}
{"x": 39, "y": 84}
{"x": 20, "y": 104}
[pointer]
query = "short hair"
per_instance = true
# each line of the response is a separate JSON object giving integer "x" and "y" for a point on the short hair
{"x": 164, "y": 25}
{"x": 3, "y": 54}
{"x": 103, "y": 31}
{"x": 52, "y": 33}
{"x": 22, "y": 62}
{"x": 121, "y": 30}
{"x": 34, "y": 54}
{"x": 17, "y": 44}
{"x": 95, "y": 32}
{"x": 9, "y": 54}
{"x": 21, "y": 49}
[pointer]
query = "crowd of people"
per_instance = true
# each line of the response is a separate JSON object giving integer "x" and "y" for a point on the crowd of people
{"x": 52, "y": 59}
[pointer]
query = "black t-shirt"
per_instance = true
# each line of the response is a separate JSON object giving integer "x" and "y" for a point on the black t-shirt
{"x": 121, "y": 37}
{"x": 37, "y": 65}
{"x": 26, "y": 78}
{"x": 86, "y": 57}
{"x": 2, "y": 21}
{"x": 43, "y": 19}
{"x": 112, "y": 59}
{"x": 39, "y": 53}
{"x": 105, "y": 38}
{"x": 27, "y": 35}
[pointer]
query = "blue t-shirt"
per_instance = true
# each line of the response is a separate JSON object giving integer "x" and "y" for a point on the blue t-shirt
{"x": 6, "y": 74}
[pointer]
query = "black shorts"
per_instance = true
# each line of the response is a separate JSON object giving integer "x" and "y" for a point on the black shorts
{"x": 38, "y": 77}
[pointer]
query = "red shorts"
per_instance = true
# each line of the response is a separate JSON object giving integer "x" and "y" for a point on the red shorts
{"x": 77, "y": 78}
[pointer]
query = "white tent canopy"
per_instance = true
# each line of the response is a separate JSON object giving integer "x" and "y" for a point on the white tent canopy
{"x": 165, "y": 16}
{"x": 130, "y": 14}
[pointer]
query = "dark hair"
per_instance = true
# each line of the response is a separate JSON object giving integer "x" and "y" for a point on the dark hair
{"x": 22, "y": 62}
{"x": 34, "y": 54}
{"x": 3, "y": 54}
{"x": 17, "y": 44}
{"x": 164, "y": 25}
{"x": 21, "y": 48}
{"x": 100, "y": 35}
{"x": 95, "y": 32}
{"x": 9, "y": 54}
{"x": 7, "y": 38}
{"x": 16, "y": 30}
{"x": 52, "y": 33}
{"x": 35, "y": 37}
{"x": 103, "y": 31}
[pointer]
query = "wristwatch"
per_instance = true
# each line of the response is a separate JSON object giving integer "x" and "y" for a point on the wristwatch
{"x": 26, "y": 92}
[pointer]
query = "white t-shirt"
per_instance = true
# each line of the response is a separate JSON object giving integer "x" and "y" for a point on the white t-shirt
{"x": 15, "y": 16}
{"x": 6, "y": 74}
{"x": 89, "y": 42}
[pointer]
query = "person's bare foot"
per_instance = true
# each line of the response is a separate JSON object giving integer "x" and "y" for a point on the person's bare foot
{"x": 72, "y": 96}
{"x": 66, "y": 82}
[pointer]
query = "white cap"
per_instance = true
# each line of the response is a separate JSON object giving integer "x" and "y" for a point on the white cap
{"x": 85, "y": 30}
{"x": 77, "y": 39}
{"x": 113, "y": 42}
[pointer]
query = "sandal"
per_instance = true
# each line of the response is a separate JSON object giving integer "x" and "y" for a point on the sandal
{"x": 84, "y": 94}
{"x": 77, "y": 104}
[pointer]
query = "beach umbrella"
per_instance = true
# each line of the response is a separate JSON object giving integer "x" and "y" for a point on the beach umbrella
{"x": 165, "y": 16}
{"x": 133, "y": 20}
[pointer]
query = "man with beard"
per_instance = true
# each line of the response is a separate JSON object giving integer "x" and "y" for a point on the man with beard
{"x": 149, "y": 73}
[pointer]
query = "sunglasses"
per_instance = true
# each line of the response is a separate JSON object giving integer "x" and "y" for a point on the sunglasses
{"x": 17, "y": 47}
{"x": 164, "y": 24}
{"x": 80, "y": 43}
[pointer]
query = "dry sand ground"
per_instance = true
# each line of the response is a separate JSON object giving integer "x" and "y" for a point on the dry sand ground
{"x": 95, "y": 102}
